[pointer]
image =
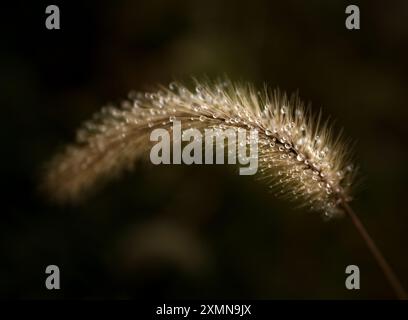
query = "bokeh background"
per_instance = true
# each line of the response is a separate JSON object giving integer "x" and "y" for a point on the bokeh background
{"x": 199, "y": 231}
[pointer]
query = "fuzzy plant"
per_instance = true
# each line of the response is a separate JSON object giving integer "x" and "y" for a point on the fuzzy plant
{"x": 299, "y": 156}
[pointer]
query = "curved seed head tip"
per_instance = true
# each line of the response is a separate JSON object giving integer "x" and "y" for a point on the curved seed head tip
{"x": 298, "y": 156}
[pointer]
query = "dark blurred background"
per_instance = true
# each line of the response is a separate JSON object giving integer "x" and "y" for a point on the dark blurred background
{"x": 203, "y": 231}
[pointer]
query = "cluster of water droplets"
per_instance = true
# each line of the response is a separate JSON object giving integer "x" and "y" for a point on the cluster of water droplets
{"x": 290, "y": 152}
{"x": 300, "y": 162}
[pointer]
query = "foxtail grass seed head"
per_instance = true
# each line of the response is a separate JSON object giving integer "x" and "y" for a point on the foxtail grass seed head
{"x": 298, "y": 156}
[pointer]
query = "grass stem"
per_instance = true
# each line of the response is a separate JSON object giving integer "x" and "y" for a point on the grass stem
{"x": 381, "y": 261}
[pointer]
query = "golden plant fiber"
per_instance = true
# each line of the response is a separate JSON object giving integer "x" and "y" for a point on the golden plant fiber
{"x": 298, "y": 155}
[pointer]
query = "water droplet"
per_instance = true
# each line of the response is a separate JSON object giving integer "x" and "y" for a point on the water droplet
{"x": 199, "y": 89}
{"x": 196, "y": 107}
{"x": 173, "y": 86}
